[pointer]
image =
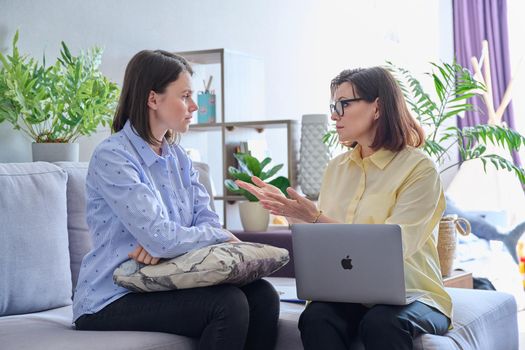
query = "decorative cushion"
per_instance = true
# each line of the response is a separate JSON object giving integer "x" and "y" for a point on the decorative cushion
{"x": 34, "y": 256}
{"x": 205, "y": 180}
{"x": 232, "y": 263}
{"x": 78, "y": 231}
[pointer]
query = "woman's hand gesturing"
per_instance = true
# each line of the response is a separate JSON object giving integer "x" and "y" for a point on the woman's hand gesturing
{"x": 275, "y": 201}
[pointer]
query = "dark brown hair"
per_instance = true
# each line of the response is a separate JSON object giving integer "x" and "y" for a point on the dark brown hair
{"x": 147, "y": 71}
{"x": 396, "y": 128}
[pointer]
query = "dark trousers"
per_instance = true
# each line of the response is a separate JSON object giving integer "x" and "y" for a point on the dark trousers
{"x": 326, "y": 325}
{"x": 223, "y": 317}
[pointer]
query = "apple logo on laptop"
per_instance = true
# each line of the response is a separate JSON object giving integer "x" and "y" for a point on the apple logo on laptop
{"x": 346, "y": 263}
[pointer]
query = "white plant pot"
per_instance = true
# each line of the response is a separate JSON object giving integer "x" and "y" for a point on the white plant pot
{"x": 55, "y": 152}
{"x": 253, "y": 216}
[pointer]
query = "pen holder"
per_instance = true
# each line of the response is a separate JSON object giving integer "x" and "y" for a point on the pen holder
{"x": 206, "y": 102}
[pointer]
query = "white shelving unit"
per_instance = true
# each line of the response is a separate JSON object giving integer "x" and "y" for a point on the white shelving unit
{"x": 239, "y": 87}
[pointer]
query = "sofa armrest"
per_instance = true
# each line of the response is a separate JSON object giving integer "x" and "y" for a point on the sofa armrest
{"x": 278, "y": 238}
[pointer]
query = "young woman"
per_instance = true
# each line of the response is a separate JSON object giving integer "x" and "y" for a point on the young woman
{"x": 144, "y": 201}
{"x": 384, "y": 179}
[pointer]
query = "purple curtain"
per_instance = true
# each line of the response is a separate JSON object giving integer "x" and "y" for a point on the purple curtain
{"x": 475, "y": 21}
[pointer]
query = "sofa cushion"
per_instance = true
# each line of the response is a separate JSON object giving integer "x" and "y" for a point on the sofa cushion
{"x": 238, "y": 264}
{"x": 278, "y": 238}
{"x": 52, "y": 330}
{"x": 205, "y": 180}
{"x": 482, "y": 320}
{"x": 78, "y": 232}
{"x": 34, "y": 256}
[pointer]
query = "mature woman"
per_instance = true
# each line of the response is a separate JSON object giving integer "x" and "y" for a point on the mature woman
{"x": 144, "y": 201}
{"x": 383, "y": 179}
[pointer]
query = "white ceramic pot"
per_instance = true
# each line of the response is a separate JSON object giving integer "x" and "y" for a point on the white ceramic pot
{"x": 253, "y": 216}
{"x": 55, "y": 152}
{"x": 314, "y": 154}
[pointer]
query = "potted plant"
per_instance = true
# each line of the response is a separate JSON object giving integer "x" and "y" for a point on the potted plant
{"x": 253, "y": 216}
{"x": 56, "y": 104}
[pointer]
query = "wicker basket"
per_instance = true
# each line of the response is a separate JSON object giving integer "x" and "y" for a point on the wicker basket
{"x": 447, "y": 240}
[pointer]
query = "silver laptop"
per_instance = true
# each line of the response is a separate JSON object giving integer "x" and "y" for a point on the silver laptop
{"x": 350, "y": 263}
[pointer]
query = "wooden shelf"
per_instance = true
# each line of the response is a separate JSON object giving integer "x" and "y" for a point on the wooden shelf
{"x": 206, "y": 127}
{"x": 232, "y": 198}
{"x": 261, "y": 124}
{"x": 239, "y": 82}
{"x": 212, "y": 56}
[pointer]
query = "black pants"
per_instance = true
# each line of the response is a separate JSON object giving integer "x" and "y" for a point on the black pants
{"x": 334, "y": 325}
{"x": 224, "y": 316}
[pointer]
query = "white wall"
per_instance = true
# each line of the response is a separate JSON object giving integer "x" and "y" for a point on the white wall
{"x": 304, "y": 43}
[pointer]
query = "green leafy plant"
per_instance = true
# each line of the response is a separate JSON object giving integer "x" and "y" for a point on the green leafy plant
{"x": 58, "y": 103}
{"x": 250, "y": 166}
{"x": 453, "y": 86}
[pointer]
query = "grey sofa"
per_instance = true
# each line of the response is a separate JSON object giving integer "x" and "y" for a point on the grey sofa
{"x": 43, "y": 237}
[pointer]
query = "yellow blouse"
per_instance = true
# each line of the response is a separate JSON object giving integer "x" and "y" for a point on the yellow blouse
{"x": 401, "y": 188}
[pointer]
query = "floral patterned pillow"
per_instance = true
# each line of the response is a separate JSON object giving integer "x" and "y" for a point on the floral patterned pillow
{"x": 232, "y": 263}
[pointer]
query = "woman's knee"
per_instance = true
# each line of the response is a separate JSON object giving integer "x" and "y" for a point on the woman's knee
{"x": 382, "y": 320}
{"x": 315, "y": 314}
{"x": 231, "y": 303}
{"x": 262, "y": 292}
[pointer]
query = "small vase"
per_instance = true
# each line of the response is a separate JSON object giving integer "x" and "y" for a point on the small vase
{"x": 253, "y": 216}
{"x": 447, "y": 241}
{"x": 314, "y": 154}
{"x": 55, "y": 152}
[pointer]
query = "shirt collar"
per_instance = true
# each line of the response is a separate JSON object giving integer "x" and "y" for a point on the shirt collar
{"x": 352, "y": 155}
{"x": 142, "y": 147}
{"x": 380, "y": 158}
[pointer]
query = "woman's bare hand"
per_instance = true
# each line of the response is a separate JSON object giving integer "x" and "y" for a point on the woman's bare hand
{"x": 259, "y": 188}
{"x": 275, "y": 201}
{"x": 296, "y": 206}
{"x": 233, "y": 238}
{"x": 142, "y": 256}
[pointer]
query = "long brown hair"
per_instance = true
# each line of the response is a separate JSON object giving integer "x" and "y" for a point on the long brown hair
{"x": 396, "y": 128}
{"x": 147, "y": 71}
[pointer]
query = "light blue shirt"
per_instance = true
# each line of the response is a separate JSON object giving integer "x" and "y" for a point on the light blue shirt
{"x": 136, "y": 197}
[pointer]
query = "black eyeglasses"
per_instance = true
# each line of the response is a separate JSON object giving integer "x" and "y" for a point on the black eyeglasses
{"x": 339, "y": 106}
